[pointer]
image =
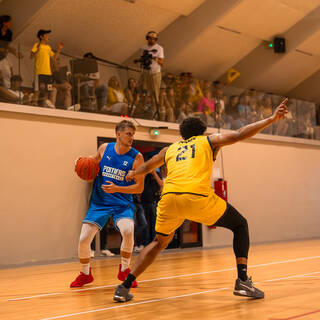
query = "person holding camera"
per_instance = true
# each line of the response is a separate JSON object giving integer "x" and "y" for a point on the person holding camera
{"x": 151, "y": 62}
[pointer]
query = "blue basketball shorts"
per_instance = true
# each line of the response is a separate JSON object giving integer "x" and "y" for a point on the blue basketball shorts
{"x": 100, "y": 214}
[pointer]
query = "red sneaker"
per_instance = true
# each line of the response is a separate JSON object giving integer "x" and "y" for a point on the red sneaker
{"x": 123, "y": 274}
{"x": 81, "y": 280}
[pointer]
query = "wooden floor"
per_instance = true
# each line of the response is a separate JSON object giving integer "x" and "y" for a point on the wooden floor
{"x": 184, "y": 285}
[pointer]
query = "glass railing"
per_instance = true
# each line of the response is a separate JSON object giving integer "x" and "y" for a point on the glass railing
{"x": 93, "y": 84}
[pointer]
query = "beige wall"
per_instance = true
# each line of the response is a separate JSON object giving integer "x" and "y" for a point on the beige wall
{"x": 275, "y": 184}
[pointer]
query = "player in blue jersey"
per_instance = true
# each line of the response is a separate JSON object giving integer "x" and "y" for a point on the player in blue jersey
{"x": 112, "y": 197}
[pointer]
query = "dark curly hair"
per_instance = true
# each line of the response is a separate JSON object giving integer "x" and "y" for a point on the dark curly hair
{"x": 191, "y": 126}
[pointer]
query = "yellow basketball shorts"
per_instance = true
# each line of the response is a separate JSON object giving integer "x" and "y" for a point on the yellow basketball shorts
{"x": 174, "y": 208}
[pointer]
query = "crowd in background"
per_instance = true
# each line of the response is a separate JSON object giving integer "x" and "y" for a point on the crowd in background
{"x": 180, "y": 95}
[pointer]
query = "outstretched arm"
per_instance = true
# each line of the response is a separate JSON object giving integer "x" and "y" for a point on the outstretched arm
{"x": 155, "y": 162}
{"x": 251, "y": 129}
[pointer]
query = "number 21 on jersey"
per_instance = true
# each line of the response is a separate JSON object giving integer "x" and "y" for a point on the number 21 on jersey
{"x": 183, "y": 149}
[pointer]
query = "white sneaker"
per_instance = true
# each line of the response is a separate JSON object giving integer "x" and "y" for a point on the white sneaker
{"x": 92, "y": 254}
{"x": 75, "y": 107}
{"x": 107, "y": 253}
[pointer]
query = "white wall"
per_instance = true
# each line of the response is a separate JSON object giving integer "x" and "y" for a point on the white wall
{"x": 274, "y": 184}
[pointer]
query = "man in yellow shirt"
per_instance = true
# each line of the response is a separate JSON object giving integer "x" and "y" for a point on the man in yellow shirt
{"x": 42, "y": 53}
{"x": 187, "y": 195}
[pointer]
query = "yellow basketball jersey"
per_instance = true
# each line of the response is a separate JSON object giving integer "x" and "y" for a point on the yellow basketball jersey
{"x": 189, "y": 163}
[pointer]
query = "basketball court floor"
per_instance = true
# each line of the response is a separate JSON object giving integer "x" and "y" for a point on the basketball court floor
{"x": 181, "y": 284}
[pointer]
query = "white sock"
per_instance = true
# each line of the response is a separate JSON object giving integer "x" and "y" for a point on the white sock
{"x": 125, "y": 263}
{"x": 85, "y": 268}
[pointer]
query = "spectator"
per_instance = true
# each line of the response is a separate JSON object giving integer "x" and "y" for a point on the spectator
{"x": 266, "y": 109}
{"x": 146, "y": 108}
{"x": 171, "y": 104}
{"x": 42, "y": 53}
{"x": 132, "y": 95}
{"x": 255, "y": 112}
{"x": 207, "y": 107}
{"x": 305, "y": 126}
{"x": 149, "y": 200}
{"x": 5, "y": 68}
{"x": 61, "y": 83}
{"x": 116, "y": 102}
{"x": 169, "y": 80}
{"x": 243, "y": 106}
{"x": 187, "y": 97}
{"x": 93, "y": 95}
{"x": 183, "y": 112}
{"x": 16, "y": 90}
{"x": 6, "y": 35}
{"x": 5, "y": 94}
{"x": 151, "y": 75}
{"x": 140, "y": 225}
{"x": 219, "y": 99}
{"x": 163, "y": 104}
{"x": 291, "y": 119}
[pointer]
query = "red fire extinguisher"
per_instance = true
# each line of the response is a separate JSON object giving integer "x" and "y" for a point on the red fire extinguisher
{"x": 220, "y": 188}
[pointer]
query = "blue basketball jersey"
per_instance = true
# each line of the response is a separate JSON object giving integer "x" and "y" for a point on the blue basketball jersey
{"x": 114, "y": 167}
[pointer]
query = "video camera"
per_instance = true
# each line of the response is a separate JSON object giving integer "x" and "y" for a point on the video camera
{"x": 146, "y": 59}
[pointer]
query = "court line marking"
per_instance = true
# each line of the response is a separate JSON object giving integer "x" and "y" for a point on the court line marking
{"x": 164, "y": 278}
{"x": 297, "y": 316}
{"x": 170, "y": 298}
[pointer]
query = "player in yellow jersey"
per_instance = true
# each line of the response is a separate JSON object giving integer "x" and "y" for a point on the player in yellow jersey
{"x": 187, "y": 195}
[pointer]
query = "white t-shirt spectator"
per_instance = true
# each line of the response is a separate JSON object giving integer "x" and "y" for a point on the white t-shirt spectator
{"x": 5, "y": 69}
{"x": 155, "y": 67}
{"x": 90, "y": 83}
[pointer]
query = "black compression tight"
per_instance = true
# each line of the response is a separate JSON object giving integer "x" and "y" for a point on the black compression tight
{"x": 235, "y": 222}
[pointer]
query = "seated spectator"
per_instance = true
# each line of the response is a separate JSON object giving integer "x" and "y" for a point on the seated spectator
{"x": 146, "y": 108}
{"x": 182, "y": 112}
{"x": 61, "y": 83}
{"x": 5, "y": 68}
{"x": 305, "y": 126}
{"x": 171, "y": 96}
{"x": 206, "y": 107}
{"x": 5, "y": 79}
{"x": 117, "y": 103}
{"x": 169, "y": 80}
{"x": 188, "y": 98}
{"x": 291, "y": 119}
{"x": 218, "y": 98}
{"x": 163, "y": 105}
{"x": 132, "y": 95}
{"x": 93, "y": 95}
{"x": 187, "y": 81}
{"x": 243, "y": 106}
{"x": 255, "y": 113}
{"x": 266, "y": 109}
{"x": 15, "y": 88}
{"x": 6, "y": 35}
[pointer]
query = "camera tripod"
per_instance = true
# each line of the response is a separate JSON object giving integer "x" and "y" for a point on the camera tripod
{"x": 147, "y": 73}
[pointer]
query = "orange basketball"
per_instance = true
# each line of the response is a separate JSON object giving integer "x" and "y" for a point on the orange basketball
{"x": 87, "y": 168}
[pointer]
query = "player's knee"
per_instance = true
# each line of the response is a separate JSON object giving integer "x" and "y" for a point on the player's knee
{"x": 126, "y": 228}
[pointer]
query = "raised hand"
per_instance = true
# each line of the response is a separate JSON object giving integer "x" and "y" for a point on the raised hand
{"x": 60, "y": 46}
{"x": 280, "y": 111}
